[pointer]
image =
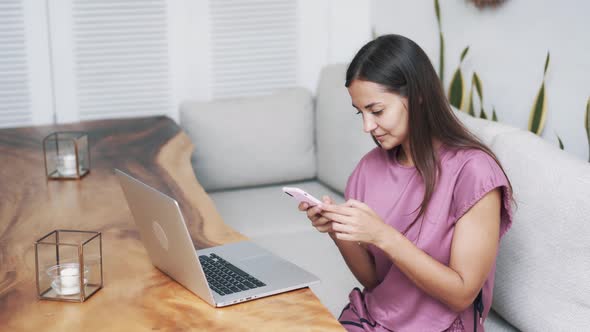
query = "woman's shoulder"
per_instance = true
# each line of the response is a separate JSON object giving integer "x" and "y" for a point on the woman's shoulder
{"x": 461, "y": 157}
{"x": 472, "y": 165}
{"x": 474, "y": 173}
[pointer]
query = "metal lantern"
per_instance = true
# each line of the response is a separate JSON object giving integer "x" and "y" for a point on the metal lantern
{"x": 68, "y": 265}
{"x": 67, "y": 155}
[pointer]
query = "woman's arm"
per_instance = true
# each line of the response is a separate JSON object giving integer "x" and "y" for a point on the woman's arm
{"x": 473, "y": 250}
{"x": 359, "y": 261}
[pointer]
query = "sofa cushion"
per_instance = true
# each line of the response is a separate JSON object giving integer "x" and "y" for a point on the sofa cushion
{"x": 543, "y": 267}
{"x": 264, "y": 211}
{"x": 495, "y": 323}
{"x": 252, "y": 141}
{"x": 341, "y": 142}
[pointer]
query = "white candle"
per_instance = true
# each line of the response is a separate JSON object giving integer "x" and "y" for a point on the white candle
{"x": 69, "y": 281}
{"x": 66, "y": 164}
{"x": 66, "y": 279}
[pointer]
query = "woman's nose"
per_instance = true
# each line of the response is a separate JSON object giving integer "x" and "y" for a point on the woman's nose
{"x": 368, "y": 124}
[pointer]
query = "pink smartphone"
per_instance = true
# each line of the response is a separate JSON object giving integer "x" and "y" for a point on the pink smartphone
{"x": 301, "y": 196}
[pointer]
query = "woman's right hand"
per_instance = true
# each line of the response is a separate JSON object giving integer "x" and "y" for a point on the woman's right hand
{"x": 321, "y": 223}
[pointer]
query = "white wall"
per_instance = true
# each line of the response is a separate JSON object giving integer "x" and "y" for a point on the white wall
{"x": 507, "y": 49}
{"x": 190, "y": 48}
{"x": 330, "y": 31}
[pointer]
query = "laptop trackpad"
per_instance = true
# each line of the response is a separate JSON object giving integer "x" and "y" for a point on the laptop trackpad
{"x": 265, "y": 266}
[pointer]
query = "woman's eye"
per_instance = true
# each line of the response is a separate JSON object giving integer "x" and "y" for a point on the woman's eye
{"x": 374, "y": 112}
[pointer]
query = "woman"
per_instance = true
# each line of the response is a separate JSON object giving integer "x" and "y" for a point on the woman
{"x": 425, "y": 210}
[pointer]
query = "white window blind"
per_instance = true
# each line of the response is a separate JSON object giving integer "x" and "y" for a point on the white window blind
{"x": 254, "y": 46}
{"x": 25, "y": 86}
{"x": 14, "y": 89}
{"x": 112, "y": 57}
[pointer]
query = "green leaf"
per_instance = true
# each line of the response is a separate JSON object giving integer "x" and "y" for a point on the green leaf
{"x": 437, "y": 11}
{"x": 441, "y": 64}
{"x": 464, "y": 53}
{"x": 456, "y": 89}
{"x": 587, "y": 125}
{"x": 546, "y": 64}
{"x": 494, "y": 116}
{"x": 470, "y": 109}
{"x": 538, "y": 112}
{"x": 477, "y": 83}
{"x": 560, "y": 142}
{"x": 482, "y": 114}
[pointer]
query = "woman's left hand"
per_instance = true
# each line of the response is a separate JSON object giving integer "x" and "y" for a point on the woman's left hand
{"x": 355, "y": 221}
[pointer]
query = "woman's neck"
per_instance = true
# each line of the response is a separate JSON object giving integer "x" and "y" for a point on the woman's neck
{"x": 404, "y": 156}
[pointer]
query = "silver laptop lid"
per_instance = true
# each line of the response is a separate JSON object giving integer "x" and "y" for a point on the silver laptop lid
{"x": 164, "y": 234}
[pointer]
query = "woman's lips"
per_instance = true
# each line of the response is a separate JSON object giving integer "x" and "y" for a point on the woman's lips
{"x": 380, "y": 137}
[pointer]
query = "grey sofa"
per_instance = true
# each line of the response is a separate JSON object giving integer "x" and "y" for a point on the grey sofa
{"x": 247, "y": 149}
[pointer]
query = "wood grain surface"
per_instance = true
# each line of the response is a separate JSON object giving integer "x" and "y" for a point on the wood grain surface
{"x": 135, "y": 296}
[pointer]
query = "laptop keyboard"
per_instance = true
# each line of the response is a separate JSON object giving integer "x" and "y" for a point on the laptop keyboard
{"x": 224, "y": 278}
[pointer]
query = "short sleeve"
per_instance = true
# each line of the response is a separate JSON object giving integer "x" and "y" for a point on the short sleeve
{"x": 353, "y": 190}
{"x": 479, "y": 175}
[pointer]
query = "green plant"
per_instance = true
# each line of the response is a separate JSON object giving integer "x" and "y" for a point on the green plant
{"x": 441, "y": 61}
{"x": 559, "y": 141}
{"x": 456, "y": 89}
{"x": 470, "y": 108}
{"x": 477, "y": 83}
{"x": 539, "y": 110}
{"x": 456, "y": 86}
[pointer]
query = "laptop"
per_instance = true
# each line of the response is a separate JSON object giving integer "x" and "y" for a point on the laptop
{"x": 221, "y": 275}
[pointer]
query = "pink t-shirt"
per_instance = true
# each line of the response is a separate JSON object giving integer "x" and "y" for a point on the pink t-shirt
{"x": 395, "y": 192}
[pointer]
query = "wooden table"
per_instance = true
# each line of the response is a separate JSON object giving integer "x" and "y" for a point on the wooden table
{"x": 136, "y": 296}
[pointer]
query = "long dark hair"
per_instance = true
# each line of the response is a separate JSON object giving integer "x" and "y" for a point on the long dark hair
{"x": 401, "y": 67}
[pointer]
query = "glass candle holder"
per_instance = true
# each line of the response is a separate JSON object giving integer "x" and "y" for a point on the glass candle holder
{"x": 67, "y": 155}
{"x": 68, "y": 265}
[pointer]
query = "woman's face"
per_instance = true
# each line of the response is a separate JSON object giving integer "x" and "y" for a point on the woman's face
{"x": 385, "y": 114}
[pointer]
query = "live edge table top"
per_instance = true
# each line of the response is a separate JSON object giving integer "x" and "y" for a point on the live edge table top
{"x": 136, "y": 296}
